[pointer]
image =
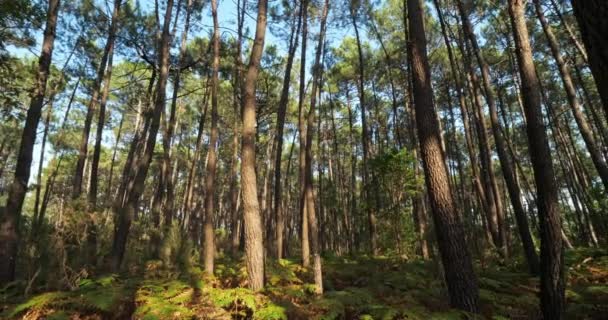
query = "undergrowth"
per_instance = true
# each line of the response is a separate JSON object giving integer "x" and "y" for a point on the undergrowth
{"x": 355, "y": 288}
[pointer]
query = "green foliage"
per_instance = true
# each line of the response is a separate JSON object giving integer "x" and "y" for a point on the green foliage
{"x": 365, "y": 288}
{"x": 163, "y": 300}
{"x": 270, "y": 312}
{"x": 104, "y": 295}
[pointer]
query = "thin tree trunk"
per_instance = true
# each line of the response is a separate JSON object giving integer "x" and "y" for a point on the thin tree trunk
{"x": 364, "y": 136}
{"x": 208, "y": 252}
{"x": 101, "y": 71}
{"x": 302, "y": 138}
{"x": 309, "y": 196}
{"x": 93, "y": 185}
{"x": 281, "y": 113}
{"x": 236, "y": 228}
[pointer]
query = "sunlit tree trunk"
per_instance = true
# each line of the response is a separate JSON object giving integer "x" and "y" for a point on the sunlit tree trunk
{"x": 459, "y": 274}
{"x": 254, "y": 236}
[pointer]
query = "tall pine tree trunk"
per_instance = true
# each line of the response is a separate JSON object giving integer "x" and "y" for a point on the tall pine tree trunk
{"x": 551, "y": 249}
{"x": 460, "y": 277}
{"x": 9, "y": 219}
{"x": 281, "y": 113}
{"x": 127, "y": 210}
{"x": 208, "y": 252}
{"x": 309, "y": 195}
{"x": 254, "y": 236}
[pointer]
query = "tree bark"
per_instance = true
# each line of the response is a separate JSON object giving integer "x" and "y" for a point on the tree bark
{"x": 9, "y": 219}
{"x": 254, "y": 236}
{"x": 309, "y": 195}
{"x": 460, "y": 277}
{"x": 302, "y": 138}
{"x": 551, "y": 251}
{"x": 364, "y": 136}
{"x": 208, "y": 252}
{"x": 281, "y": 113}
{"x": 127, "y": 210}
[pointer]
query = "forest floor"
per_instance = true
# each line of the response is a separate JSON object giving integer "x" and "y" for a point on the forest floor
{"x": 355, "y": 288}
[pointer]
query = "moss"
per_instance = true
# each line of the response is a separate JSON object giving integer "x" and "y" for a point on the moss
{"x": 271, "y": 312}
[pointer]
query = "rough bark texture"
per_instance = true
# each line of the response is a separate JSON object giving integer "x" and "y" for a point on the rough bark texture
{"x": 459, "y": 274}
{"x": 254, "y": 237}
{"x": 551, "y": 249}
{"x": 9, "y": 219}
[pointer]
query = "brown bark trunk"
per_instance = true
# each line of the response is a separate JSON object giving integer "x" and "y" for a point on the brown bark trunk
{"x": 460, "y": 277}
{"x": 309, "y": 195}
{"x": 302, "y": 138}
{"x": 551, "y": 252}
{"x": 208, "y": 249}
{"x": 9, "y": 219}
{"x": 236, "y": 223}
{"x": 492, "y": 196}
{"x": 364, "y": 136}
{"x": 278, "y": 213}
{"x": 127, "y": 210}
{"x": 254, "y": 237}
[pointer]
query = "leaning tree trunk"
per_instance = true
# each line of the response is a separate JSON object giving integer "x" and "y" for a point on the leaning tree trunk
{"x": 254, "y": 236}
{"x": 583, "y": 125}
{"x": 591, "y": 17}
{"x": 9, "y": 219}
{"x": 460, "y": 277}
{"x": 551, "y": 248}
